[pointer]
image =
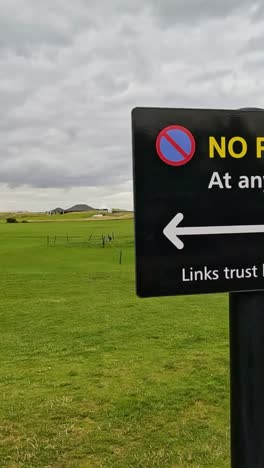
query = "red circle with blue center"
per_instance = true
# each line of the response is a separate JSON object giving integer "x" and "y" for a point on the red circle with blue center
{"x": 175, "y": 145}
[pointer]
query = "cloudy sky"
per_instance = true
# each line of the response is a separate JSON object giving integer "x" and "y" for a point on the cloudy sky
{"x": 71, "y": 72}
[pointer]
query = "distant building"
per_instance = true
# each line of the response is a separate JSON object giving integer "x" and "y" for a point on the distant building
{"x": 56, "y": 211}
{"x": 107, "y": 210}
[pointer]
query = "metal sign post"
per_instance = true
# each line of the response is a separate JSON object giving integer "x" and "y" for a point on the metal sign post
{"x": 246, "y": 330}
{"x": 199, "y": 225}
{"x": 247, "y": 379}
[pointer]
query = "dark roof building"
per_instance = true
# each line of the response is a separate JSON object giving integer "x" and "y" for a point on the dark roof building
{"x": 56, "y": 211}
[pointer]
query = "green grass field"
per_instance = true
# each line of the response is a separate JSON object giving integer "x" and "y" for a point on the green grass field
{"x": 84, "y": 215}
{"x": 91, "y": 375}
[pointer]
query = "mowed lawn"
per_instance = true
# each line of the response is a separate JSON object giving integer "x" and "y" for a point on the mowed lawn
{"x": 91, "y": 375}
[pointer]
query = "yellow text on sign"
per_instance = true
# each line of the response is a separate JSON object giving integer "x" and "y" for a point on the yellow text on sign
{"x": 236, "y": 147}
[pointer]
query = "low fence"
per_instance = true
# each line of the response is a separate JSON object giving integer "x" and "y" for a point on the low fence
{"x": 103, "y": 241}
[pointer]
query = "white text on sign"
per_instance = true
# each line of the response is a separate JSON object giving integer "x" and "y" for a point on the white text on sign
{"x": 227, "y": 273}
{"x": 226, "y": 181}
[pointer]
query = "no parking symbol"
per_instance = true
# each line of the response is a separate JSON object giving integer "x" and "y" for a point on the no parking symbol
{"x": 175, "y": 145}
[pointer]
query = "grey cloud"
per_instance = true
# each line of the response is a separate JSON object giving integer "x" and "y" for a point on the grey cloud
{"x": 172, "y": 11}
{"x": 212, "y": 75}
{"x": 27, "y": 26}
{"x": 253, "y": 45}
{"x": 21, "y": 39}
{"x": 201, "y": 9}
{"x": 42, "y": 175}
{"x": 70, "y": 73}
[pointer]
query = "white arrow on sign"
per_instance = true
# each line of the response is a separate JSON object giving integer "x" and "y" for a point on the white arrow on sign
{"x": 172, "y": 230}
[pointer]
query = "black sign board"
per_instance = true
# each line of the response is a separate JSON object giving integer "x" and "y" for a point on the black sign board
{"x": 199, "y": 200}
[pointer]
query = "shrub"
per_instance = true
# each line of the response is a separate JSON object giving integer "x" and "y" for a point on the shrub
{"x": 24, "y": 221}
{"x": 11, "y": 220}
